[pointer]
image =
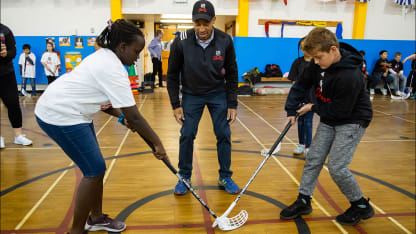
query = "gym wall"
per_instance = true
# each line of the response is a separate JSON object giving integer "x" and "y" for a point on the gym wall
{"x": 258, "y": 51}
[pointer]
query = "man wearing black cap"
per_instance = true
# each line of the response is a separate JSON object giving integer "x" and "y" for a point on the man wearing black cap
{"x": 205, "y": 59}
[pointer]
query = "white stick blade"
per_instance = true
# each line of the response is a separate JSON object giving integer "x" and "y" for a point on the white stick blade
{"x": 228, "y": 224}
{"x": 265, "y": 152}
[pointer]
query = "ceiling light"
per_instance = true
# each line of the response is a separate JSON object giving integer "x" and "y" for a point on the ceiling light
{"x": 175, "y": 16}
{"x": 177, "y": 21}
{"x": 185, "y": 26}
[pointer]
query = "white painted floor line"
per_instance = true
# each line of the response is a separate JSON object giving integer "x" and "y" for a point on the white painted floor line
{"x": 394, "y": 116}
{"x": 27, "y": 216}
{"x": 326, "y": 168}
{"x": 51, "y": 148}
{"x": 271, "y": 126}
{"x": 113, "y": 161}
{"x": 23, "y": 221}
{"x": 104, "y": 125}
{"x": 291, "y": 176}
{"x": 391, "y": 218}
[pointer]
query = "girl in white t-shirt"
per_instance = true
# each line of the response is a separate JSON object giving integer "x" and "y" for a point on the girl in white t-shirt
{"x": 27, "y": 62}
{"x": 50, "y": 62}
{"x": 64, "y": 112}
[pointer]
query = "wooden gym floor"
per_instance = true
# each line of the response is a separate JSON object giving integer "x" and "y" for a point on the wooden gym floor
{"x": 38, "y": 182}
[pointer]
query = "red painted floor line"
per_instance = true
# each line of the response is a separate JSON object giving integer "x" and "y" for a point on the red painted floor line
{"x": 335, "y": 206}
{"x": 64, "y": 227}
{"x": 203, "y": 195}
{"x": 195, "y": 225}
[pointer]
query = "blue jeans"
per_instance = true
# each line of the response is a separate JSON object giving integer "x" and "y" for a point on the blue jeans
{"x": 375, "y": 79}
{"x": 32, "y": 82}
{"x": 80, "y": 144}
{"x": 305, "y": 129}
{"x": 396, "y": 79}
{"x": 193, "y": 107}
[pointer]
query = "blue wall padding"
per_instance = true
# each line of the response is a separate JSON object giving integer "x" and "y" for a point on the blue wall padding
{"x": 251, "y": 52}
{"x": 258, "y": 51}
{"x": 38, "y": 46}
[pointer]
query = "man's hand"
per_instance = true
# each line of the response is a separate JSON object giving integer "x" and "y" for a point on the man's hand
{"x": 3, "y": 51}
{"x": 179, "y": 117}
{"x": 305, "y": 109}
{"x": 231, "y": 115}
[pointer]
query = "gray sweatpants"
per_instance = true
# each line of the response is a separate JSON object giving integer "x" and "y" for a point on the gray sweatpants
{"x": 339, "y": 144}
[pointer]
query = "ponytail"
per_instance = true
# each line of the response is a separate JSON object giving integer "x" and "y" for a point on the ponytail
{"x": 117, "y": 32}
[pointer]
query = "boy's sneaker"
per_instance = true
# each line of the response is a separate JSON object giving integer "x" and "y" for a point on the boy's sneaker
{"x": 306, "y": 152}
{"x": 24, "y": 93}
{"x": 358, "y": 210}
{"x": 384, "y": 92}
{"x": 229, "y": 185}
{"x": 180, "y": 188}
{"x": 301, "y": 206}
{"x": 22, "y": 140}
{"x": 299, "y": 149}
{"x": 372, "y": 91}
{"x": 105, "y": 223}
{"x": 1, "y": 142}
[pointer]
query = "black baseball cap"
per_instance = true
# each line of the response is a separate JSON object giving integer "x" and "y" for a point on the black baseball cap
{"x": 203, "y": 10}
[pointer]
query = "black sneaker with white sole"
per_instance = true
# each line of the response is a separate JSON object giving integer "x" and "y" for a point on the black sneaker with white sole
{"x": 104, "y": 223}
{"x": 360, "y": 209}
{"x": 301, "y": 206}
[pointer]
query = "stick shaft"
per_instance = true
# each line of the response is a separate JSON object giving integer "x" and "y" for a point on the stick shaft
{"x": 262, "y": 163}
{"x": 174, "y": 171}
{"x": 167, "y": 163}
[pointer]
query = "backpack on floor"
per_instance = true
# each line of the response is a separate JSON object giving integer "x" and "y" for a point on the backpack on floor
{"x": 273, "y": 70}
{"x": 253, "y": 76}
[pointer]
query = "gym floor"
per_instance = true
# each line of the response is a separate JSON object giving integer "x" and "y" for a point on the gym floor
{"x": 38, "y": 182}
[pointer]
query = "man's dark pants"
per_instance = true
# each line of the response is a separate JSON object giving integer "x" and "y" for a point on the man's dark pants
{"x": 193, "y": 107}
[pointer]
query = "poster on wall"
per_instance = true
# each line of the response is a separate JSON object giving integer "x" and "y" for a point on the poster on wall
{"x": 79, "y": 43}
{"x": 91, "y": 41}
{"x": 64, "y": 41}
{"x": 72, "y": 59}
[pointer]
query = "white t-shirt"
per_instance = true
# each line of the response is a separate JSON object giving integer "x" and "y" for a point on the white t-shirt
{"x": 51, "y": 59}
{"x": 99, "y": 81}
{"x": 28, "y": 69}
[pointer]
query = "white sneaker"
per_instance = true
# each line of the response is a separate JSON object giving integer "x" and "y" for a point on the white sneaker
{"x": 384, "y": 92}
{"x": 2, "y": 142}
{"x": 398, "y": 93}
{"x": 372, "y": 91}
{"x": 306, "y": 151}
{"x": 299, "y": 149}
{"x": 25, "y": 93}
{"x": 22, "y": 140}
{"x": 371, "y": 97}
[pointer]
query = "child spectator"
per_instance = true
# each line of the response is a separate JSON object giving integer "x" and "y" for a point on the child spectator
{"x": 305, "y": 121}
{"x": 345, "y": 109}
{"x": 51, "y": 62}
{"x": 27, "y": 63}
{"x": 396, "y": 74}
{"x": 380, "y": 71}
